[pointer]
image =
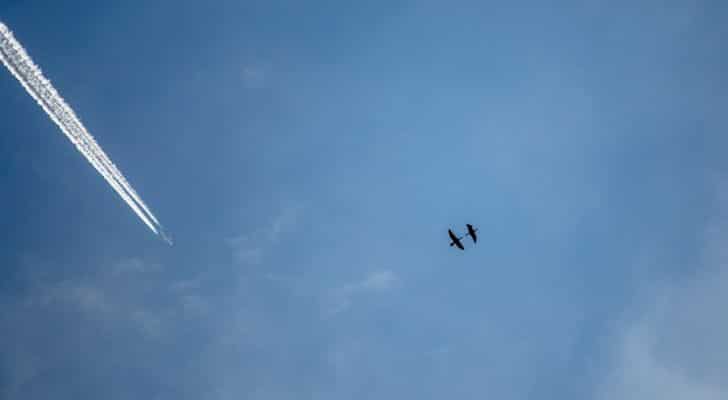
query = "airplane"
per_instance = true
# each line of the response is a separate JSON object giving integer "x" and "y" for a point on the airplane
{"x": 456, "y": 240}
{"x": 165, "y": 236}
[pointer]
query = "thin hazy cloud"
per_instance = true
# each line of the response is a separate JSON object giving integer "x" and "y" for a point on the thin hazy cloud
{"x": 341, "y": 298}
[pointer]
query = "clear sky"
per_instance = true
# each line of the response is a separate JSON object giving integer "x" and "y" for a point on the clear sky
{"x": 309, "y": 157}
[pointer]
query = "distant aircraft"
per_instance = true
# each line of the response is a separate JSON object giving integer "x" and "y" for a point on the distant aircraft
{"x": 456, "y": 240}
{"x": 165, "y": 236}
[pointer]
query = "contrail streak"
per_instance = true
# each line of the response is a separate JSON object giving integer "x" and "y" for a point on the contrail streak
{"x": 20, "y": 64}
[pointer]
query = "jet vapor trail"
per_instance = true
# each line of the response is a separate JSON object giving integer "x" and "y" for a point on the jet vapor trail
{"x": 20, "y": 64}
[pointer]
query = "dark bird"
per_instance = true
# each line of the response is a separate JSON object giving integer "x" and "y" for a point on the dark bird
{"x": 455, "y": 240}
{"x": 471, "y": 233}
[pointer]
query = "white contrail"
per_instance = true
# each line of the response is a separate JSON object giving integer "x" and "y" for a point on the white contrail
{"x": 39, "y": 88}
{"x": 116, "y": 173}
{"x": 72, "y": 122}
{"x": 30, "y": 76}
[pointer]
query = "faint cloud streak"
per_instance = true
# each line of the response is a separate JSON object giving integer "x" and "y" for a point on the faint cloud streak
{"x": 674, "y": 348}
{"x": 250, "y": 248}
{"x": 341, "y": 298}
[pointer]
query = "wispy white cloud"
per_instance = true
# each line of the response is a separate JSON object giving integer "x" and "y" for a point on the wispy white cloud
{"x": 380, "y": 280}
{"x": 249, "y": 248}
{"x": 97, "y": 321}
{"x": 341, "y": 298}
{"x": 283, "y": 222}
{"x": 149, "y": 323}
{"x": 134, "y": 265}
{"x": 121, "y": 293}
{"x": 185, "y": 285}
{"x": 82, "y": 296}
{"x": 675, "y": 347}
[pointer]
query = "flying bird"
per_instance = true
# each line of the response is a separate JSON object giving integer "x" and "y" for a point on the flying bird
{"x": 471, "y": 233}
{"x": 456, "y": 241}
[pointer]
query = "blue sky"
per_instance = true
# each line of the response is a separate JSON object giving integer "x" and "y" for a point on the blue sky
{"x": 308, "y": 159}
